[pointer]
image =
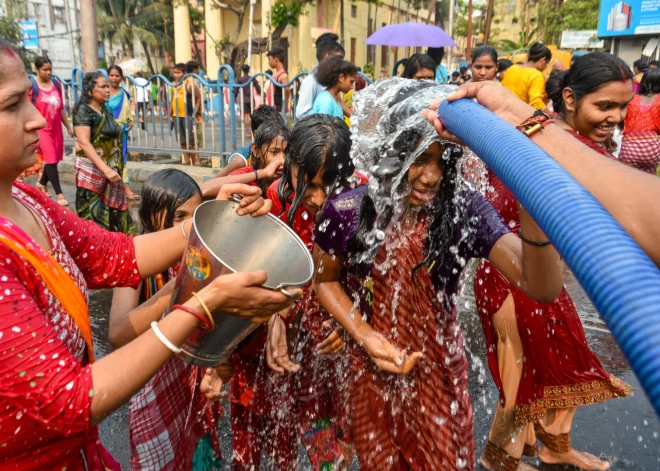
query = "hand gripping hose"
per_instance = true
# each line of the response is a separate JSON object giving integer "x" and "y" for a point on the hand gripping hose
{"x": 620, "y": 279}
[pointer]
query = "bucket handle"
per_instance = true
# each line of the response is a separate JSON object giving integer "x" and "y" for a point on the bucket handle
{"x": 285, "y": 292}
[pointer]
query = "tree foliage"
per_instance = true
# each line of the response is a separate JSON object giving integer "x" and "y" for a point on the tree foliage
{"x": 555, "y": 17}
{"x": 10, "y": 30}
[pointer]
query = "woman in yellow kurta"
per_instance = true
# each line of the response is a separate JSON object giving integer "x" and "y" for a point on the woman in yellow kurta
{"x": 526, "y": 81}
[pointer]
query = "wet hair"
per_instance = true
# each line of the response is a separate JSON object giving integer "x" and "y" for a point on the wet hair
{"x": 330, "y": 69}
{"x": 503, "y": 65}
{"x": 117, "y": 68}
{"x": 318, "y": 142}
{"x": 277, "y": 52}
{"x": 327, "y": 43}
{"x": 650, "y": 82}
{"x": 640, "y": 64}
{"x": 587, "y": 75}
{"x": 191, "y": 66}
{"x": 181, "y": 67}
{"x": 40, "y": 61}
{"x": 165, "y": 190}
{"x": 538, "y": 51}
{"x": 89, "y": 82}
{"x": 415, "y": 63}
{"x": 484, "y": 51}
{"x": 442, "y": 228}
{"x": 264, "y": 137}
{"x": 264, "y": 114}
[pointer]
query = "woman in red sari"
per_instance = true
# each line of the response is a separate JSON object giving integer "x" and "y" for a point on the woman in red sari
{"x": 390, "y": 258}
{"x": 538, "y": 353}
{"x": 52, "y": 394}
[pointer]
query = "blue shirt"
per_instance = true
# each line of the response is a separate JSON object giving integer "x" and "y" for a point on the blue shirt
{"x": 309, "y": 90}
{"x": 441, "y": 74}
{"x": 326, "y": 104}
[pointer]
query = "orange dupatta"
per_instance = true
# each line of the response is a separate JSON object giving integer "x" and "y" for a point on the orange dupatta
{"x": 57, "y": 280}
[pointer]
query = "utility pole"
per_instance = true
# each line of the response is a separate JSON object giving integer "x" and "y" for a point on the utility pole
{"x": 249, "y": 51}
{"x": 67, "y": 12}
{"x": 341, "y": 19}
{"x": 489, "y": 20}
{"x": 89, "y": 35}
{"x": 468, "y": 49}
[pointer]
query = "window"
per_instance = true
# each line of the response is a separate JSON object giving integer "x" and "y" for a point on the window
{"x": 59, "y": 15}
{"x": 353, "y": 49}
{"x": 353, "y": 11}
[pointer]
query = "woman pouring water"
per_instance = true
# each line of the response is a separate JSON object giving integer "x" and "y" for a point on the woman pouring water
{"x": 52, "y": 394}
{"x": 390, "y": 256}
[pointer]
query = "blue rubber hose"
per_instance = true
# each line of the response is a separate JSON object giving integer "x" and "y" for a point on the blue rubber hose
{"x": 620, "y": 279}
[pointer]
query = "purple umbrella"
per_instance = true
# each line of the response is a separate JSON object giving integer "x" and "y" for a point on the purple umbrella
{"x": 410, "y": 35}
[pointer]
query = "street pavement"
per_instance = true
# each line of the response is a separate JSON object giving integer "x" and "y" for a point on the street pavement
{"x": 624, "y": 431}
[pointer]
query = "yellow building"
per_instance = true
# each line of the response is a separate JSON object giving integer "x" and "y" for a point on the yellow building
{"x": 320, "y": 17}
{"x": 512, "y": 17}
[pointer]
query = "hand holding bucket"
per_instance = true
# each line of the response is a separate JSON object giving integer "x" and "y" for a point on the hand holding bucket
{"x": 245, "y": 266}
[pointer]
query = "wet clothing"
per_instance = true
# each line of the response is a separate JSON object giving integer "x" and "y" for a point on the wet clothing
{"x": 422, "y": 420}
{"x": 97, "y": 198}
{"x": 640, "y": 147}
{"x": 46, "y": 385}
{"x": 526, "y": 83}
{"x": 557, "y": 369}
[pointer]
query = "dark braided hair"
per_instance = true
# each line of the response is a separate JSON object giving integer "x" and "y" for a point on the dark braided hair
{"x": 89, "y": 82}
{"x": 318, "y": 142}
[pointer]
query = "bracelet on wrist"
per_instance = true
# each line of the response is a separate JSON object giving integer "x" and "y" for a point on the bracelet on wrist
{"x": 535, "y": 243}
{"x": 256, "y": 177}
{"x": 205, "y": 308}
{"x": 164, "y": 340}
{"x": 202, "y": 318}
{"x": 535, "y": 123}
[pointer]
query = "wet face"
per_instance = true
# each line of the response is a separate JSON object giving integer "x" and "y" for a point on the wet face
{"x": 483, "y": 68}
{"x": 46, "y": 72}
{"x": 598, "y": 113}
{"x": 178, "y": 75}
{"x": 101, "y": 91}
{"x": 315, "y": 194}
{"x": 19, "y": 119}
{"x": 181, "y": 214}
{"x": 272, "y": 152}
{"x": 346, "y": 82}
{"x": 425, "y": 176}
{"x": 424, "y": 74}
{"x": 114, "y": 78}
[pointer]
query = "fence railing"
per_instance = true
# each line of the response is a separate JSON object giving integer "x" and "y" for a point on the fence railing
{"x": 219, "y": 127}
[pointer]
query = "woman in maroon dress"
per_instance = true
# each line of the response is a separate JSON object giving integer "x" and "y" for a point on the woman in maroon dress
{"x": 537, "y": 353}
{"x": 52, "y": 394}
{"x": 390, "y": 256}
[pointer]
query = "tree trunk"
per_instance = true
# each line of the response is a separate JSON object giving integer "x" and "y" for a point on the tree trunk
{"x": 432, "y": 8}
{"x": 148, "y": 56}
{"x": 341, "y": 19}
{"x": 489, "y": 20}
{"x": 468, "y": 49}
{"x": 440, "y": 13}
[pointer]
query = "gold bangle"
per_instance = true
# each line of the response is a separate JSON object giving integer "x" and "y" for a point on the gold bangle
{"x": 183, "y": 230}
{"x": 205, "y": 308}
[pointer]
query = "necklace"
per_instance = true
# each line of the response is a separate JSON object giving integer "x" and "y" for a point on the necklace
{"x": 98, "y": 110}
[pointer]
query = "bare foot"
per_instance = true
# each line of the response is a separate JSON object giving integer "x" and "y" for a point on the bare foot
{"x": 582, "y": 460}
{"x": 132, "y": 196}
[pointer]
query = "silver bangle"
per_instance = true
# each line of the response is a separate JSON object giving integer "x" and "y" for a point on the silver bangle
{"x": 162, "y": 338}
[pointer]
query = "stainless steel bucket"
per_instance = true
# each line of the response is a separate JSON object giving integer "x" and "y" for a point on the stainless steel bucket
{"x": 222, "y": 242}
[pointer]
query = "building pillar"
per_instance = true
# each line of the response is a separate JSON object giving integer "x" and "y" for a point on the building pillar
{"x": 266, "y": 29}
{"x": 182, "y": 44}
{"x": 306, "y": 54}
{"x": 213, "y": 17}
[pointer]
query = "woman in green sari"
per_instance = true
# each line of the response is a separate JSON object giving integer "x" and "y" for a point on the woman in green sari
{"x": 99, "y": 165}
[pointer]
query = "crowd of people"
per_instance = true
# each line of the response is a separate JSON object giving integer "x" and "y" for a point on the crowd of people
{"x": 369, "y": 359}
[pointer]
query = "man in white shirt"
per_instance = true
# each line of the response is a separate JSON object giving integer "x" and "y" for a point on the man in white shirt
{"x": 326, "y": 46}
{"x": 142, "y": 92}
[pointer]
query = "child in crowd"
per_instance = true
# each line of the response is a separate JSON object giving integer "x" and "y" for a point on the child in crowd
{"x": 338, "y": 76}
{"x": 183, "y": 113}
{"x": 163, "y": 435}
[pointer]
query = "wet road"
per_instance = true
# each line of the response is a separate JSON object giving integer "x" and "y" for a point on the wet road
{"x": 624, "y": 431}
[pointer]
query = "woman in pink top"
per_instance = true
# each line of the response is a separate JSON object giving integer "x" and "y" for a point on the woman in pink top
{"x": 46, "y": 96}
{"x": 640, "y": 147}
